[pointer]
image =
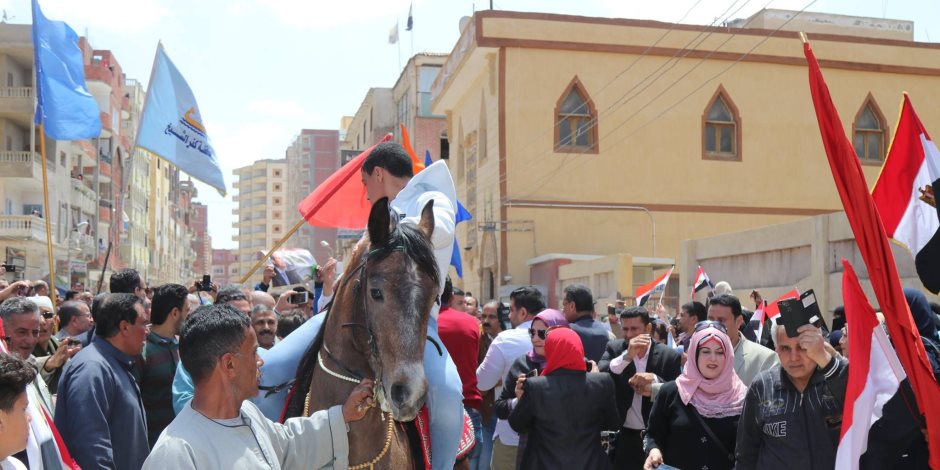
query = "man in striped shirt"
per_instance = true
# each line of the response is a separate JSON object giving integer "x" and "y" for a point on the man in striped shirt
{"x": 161, "y": 356}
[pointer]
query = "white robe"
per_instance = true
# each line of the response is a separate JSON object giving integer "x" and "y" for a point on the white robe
{"x": 251, "y": 441}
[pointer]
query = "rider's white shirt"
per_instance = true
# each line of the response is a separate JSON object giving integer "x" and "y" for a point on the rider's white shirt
{"x": 434, "y": 183}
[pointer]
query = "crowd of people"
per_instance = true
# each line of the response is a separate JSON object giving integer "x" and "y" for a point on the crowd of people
{"x": 141, "y": 377}
{"x": 541, "y": 386}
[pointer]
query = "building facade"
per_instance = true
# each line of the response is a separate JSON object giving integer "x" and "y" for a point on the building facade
{"x": 263, "y": 215}
{"x": 555, "y": 149}
{"x": 412, "y": 95}
{"x": 225, "y": 267}
{"x": 312, "y": 157}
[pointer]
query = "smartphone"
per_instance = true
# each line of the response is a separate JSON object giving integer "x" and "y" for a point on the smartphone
{"x": 532, "y": 373}
{"x": 206, "y": 284}
{"x": 611, "y": 310}
{"x": 73, "y": 341}
{"x": 299, "y": 298}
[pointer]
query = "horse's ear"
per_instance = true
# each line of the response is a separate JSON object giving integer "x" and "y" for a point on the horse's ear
{"x": 427, "y": 220}
{"x": 379, "y": 222}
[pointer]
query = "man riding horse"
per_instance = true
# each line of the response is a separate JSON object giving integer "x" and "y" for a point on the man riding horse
{"x": 387, "y": 173}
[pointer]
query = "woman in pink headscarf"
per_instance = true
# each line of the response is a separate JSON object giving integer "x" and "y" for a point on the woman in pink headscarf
{"x": 694, "y": 419}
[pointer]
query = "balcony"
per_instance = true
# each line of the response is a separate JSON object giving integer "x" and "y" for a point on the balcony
{"x": 20, "y": 165}
{"x": 84, "y": 197}
{"x": 18, "y": 100}
{"x": 23, "y": 227}
{"x": 83, "y": 246}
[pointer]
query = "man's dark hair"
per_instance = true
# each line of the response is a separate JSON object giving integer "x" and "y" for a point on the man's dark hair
{"x": 696, "y": 309}
{"x": 448, "y": 292}
{"x": 230, "y": 294}
{"x": 459, "y": 291}
{"x": 289, "y": 322}
{"x": 15, "y": 375}
{"x": 727, "y": 300}
{"x": 392, "y": 157}
{"x": 125, "y": 281}
{"x": 636, "y": 312}
{"x": 114, "y": 309}
{"x": 165, "y": 299}
{"x": 209, "y": 333}
{"x": 70, "y": 294}
{"x": 67, "y": 311}
{"x": 96, "y": 305}
{"x": 582, "y": 297}
{"x": 17, "y": 306}
{"x": 530, "y": 298}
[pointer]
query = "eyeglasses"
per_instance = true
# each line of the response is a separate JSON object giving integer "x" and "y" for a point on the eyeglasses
{"x": 710, "y": 324}
{"x": 541, "y": 333}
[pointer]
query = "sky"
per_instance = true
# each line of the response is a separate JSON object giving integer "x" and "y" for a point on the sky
{"x": 262, "y": 70}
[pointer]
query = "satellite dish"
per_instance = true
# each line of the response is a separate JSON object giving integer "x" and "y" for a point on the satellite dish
{"x": 464, "y": 21}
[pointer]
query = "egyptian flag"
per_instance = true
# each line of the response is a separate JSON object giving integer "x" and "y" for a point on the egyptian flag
{"x": 874, "y": 377}
{"x": 911, "y": 168}
{"x": 873, "y": 245}
{"x": 770, "y": 311}
{"x": 657, "y": 285}
{"x": 701, "y": 281}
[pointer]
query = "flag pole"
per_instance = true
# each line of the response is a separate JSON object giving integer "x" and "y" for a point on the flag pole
{"x": 45, "y": 198}
{"x": 277, "y": 245}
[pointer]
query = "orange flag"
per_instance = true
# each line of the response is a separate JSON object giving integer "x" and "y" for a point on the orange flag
{"x": 416, "y": 164}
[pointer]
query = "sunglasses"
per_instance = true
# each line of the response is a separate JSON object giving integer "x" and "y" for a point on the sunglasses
{"x": 710, "y": 324}
{"x": 541, "y": 333}
{"x": 47, "y": 315}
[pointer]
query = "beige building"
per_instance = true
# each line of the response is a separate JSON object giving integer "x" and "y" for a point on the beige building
{"x": 412, "y": 95}
{"x": 601, "y": 137}
{"x": 263, "y": 215}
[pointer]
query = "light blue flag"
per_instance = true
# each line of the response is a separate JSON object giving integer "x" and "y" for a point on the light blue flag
{"x": 171, "y": 126}
{"x": 65, "y": 108}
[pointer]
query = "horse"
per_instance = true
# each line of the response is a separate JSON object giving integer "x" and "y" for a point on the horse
{"x": 376, "y": 328}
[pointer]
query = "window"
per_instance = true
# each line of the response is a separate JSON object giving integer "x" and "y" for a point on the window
{"x": 575, "y": 120}
{"x": 721, "y": 137}
{"x": 277, "y": 186}
{"x": 277, "y": 173}
{"x": 277, "y": 229}
{"x": 277, "y": 214}
{"x": 869, "y": 131}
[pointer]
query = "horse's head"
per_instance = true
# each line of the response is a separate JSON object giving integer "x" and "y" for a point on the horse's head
{"x": 398, "y": 287}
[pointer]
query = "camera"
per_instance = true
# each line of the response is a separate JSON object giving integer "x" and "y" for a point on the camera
{"x": 205, "y": 285}
{"x": 10, "y": 268}
{"x": 502, "y": 313}
{"x": 299, "y": 298}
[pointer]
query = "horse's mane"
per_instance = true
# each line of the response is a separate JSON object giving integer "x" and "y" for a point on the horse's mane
{"x": 415, "y": 245}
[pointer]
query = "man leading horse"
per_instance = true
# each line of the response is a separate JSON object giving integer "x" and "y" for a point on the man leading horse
{"x": 387, "y": 173}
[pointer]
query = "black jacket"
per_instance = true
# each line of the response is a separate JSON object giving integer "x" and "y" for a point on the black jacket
{"x": 784, "y": 429}
{"x": 663, "y": 361}
{"x": 503, "y": 404}
{"x": 677, "y": 433}
{"x": 564, "y": 413}
{"x": 593, "y": 336}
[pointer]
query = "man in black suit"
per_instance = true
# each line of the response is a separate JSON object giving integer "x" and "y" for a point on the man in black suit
{"x": 624, "y": 359}
{"x": 578, "y": 307}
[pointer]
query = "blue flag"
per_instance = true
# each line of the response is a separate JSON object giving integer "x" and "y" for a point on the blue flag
{"x": 171, "y": 126}
{"x": 427, "y": 158}
{"x": 462, "y": 215}
{"x": 65, "y": 108}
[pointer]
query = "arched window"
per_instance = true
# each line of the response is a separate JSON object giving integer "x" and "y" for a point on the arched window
{"x": 721, "y": 129}
{"x": 869, "y": 131}
{"x": 575, "y": 120}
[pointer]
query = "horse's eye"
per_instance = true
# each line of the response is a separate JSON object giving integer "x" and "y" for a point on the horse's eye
{"x": 376, "y": 294}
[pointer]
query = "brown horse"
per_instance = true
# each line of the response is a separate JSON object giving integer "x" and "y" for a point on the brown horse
{"x": 376, "y": 328}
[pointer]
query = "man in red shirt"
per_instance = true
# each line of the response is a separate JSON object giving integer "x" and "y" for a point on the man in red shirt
{"x": 461, "y": 336}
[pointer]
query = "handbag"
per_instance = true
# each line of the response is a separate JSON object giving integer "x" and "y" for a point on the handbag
{"x": 711, "y": 434}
